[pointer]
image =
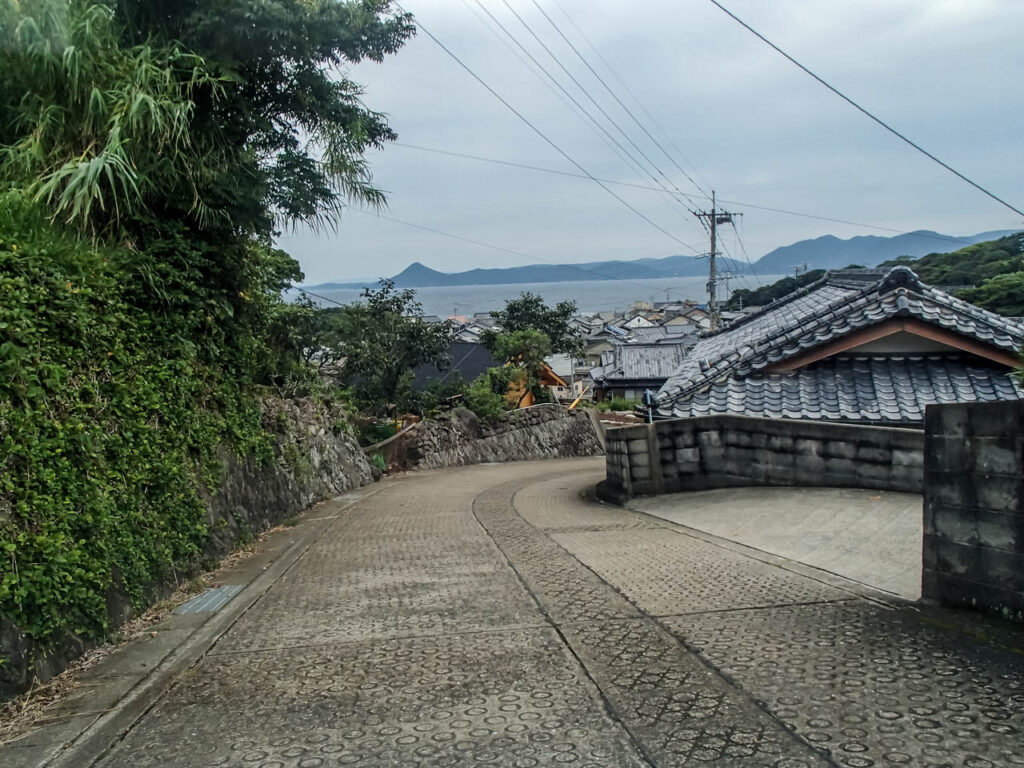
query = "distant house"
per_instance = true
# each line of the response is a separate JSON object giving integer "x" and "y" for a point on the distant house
{"x": 665, "y": 334}
{"x": 626, "y": 369}
{"x": 468, "y": 360}
{"x": 688, "y": 316}
{"x": 867, "y": 346}
{"x": 519, "y": 396}
{"x": 637, "y": 321}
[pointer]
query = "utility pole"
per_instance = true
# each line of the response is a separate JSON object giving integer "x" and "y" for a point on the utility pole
{"x": 714, "y": 217}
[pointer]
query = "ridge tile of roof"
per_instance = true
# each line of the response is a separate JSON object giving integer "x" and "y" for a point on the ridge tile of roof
{"x": 837, "y": 304}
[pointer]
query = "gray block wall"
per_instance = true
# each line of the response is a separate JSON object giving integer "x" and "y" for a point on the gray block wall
{"x": 973, "y": 512}
{"x": 723, "y": 451}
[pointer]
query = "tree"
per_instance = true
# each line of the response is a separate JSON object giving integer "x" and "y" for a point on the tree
{"x": 530, "y": 313}
{"x": 1003, "y": 294}
{"x": 97, "y": 129}
{"x": 523, "y": 353}
{"x": 293, "y": 122}
{"x": 381, "y": 341}
{"x": 766, "y": 294}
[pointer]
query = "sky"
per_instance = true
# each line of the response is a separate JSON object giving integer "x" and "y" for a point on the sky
{"x": 726, "y": 109}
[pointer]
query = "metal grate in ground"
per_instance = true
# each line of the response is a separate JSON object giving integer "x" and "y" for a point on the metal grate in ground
{"x": 210, "y": 600}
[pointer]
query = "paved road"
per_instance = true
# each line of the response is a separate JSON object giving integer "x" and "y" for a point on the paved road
{"x": 492, "y": 616}
{"x": 873, "y": 537}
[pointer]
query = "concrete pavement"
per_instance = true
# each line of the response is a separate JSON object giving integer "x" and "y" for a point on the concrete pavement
{"x": 874, "y": 537}
{"x": 493, "y": 615}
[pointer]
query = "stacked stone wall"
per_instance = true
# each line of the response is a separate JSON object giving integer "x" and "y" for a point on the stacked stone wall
{"x": 973, "y": 508}
{"x": 725, "y": 451}
{"x": 540, "y": 432}
{"x": 315, "y": 457}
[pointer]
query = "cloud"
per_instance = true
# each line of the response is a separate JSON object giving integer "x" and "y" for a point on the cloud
{"x": 750, "y": 123}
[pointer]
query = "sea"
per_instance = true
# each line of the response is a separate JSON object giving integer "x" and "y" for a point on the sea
{"x": 589, "y": 295}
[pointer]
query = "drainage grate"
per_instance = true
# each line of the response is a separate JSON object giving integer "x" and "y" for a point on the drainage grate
{"x": 210, "y": 600}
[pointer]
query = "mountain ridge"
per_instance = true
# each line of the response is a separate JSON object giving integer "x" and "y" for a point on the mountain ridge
{"x": 825, "y": 252}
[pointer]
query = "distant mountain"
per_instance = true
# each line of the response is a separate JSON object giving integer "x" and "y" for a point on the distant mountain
{"x": 826, "y": 252}
{"x": 829, "y": 252}
{"x": 417, "y": 275}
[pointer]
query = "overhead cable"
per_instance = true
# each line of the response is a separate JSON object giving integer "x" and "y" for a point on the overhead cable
{"x": 615, "y": 96}
{"x": 861, "y": 109}
{"x": 544, "y": 136}
{"x": 593, "y": 101}
{"x": 787, "y": 212}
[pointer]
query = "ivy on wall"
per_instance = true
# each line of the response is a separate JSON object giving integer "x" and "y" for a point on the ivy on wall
{"x": 108, "y": 426}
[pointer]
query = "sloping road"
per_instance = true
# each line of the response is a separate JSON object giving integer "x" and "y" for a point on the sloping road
{"x": 492, "y": 615}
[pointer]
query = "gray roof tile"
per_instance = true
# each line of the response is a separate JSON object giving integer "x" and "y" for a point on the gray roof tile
{"x": 838, "y": 304}
{"x": 857, "y": 388}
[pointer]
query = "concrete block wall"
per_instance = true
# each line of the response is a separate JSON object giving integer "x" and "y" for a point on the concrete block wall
{"x": 973, "y": 510}
{"x": 722, "y": 451}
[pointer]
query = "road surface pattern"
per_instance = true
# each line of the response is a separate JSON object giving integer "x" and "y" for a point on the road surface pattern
{"x": 493, "y": 616}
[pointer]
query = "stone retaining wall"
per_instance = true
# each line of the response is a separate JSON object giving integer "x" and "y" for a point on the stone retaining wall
{"x": 973, "y": 509}
{"x": 722, "y": 451}
{"x": 315, "y": 458}
{"x": 539, "y": 432}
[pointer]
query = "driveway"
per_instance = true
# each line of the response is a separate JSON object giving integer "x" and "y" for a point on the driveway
{"x": 872, "y": 537}
{"x": 492, "y": 615}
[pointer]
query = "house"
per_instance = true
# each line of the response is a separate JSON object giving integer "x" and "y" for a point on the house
{"x": 689, "y": 316}
{"x": 664, "y": 334}
{"x": 519, "y": 396}
{"x": 637, "y": 321}
{"x": 863, "y": 346}
{"x": 468, "y": 361}
{"x": 627, "y": 369}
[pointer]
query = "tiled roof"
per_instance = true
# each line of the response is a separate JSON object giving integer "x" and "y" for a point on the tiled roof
{"x": 857, "y": 388}
{"x": 466, "y": 360}
{"x": 665, "y": 334}
{"x": 647, "y": 363}
{"x": 840, "y": 303}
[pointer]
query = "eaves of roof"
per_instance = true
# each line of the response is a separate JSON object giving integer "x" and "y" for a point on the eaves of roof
{"x": 827, "y": 310}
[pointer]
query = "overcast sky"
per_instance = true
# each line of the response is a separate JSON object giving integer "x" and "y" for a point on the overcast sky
{"x": 738, "y": 117}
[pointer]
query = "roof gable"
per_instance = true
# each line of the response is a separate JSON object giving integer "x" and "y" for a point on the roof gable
{"x": 841, "y": 303}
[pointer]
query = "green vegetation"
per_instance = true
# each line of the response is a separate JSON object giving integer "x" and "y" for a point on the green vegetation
{"x": 766, "y": 294}
{"x": 149, "y": 151}
{"x": 971, "y": 266}
{"x": 530, "y": 331}
{"x": 376, "y": 345}
{"x": 530, "y": 313}
{"x": 995, "y": 269}
{"x": 1003, "y": 294}
{"x": 616, "y": 404}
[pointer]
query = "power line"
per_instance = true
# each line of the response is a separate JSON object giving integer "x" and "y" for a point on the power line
{"x": 540, "y": 75}
{"x": 861, "y": 109}
{"x": 618, "y": 100}
{"x": 785, "y": 211}
{"x": 531, "y": 256}
{"x": 594, "y": 101}
{"x": 544, "y": 136}
{"x": 636, "y": 99}
{"x": 562, "y": 88}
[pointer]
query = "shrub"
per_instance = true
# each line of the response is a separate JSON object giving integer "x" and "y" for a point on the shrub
{"x": 482, "y": 400}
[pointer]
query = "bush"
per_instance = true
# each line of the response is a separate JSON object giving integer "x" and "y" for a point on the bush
{"x": 109, "y": 424}
{"x": 616, "y": 404}
{"x": 482, "y": 400}
{"x": 375, "y": 431}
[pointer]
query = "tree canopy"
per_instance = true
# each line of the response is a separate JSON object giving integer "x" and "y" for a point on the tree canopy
{"x": 528, "y": 312}
{"x": 224, "y": 114}
{"x": 972, "y": 265}
{"x": 379, "y": 342}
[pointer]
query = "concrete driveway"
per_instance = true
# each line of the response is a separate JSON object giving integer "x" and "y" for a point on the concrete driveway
{"x": 872, "y": 537}
{"x": 493, "y": 616}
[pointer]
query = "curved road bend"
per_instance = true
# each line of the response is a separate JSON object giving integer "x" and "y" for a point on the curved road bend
{"x": 491, "y": 615}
